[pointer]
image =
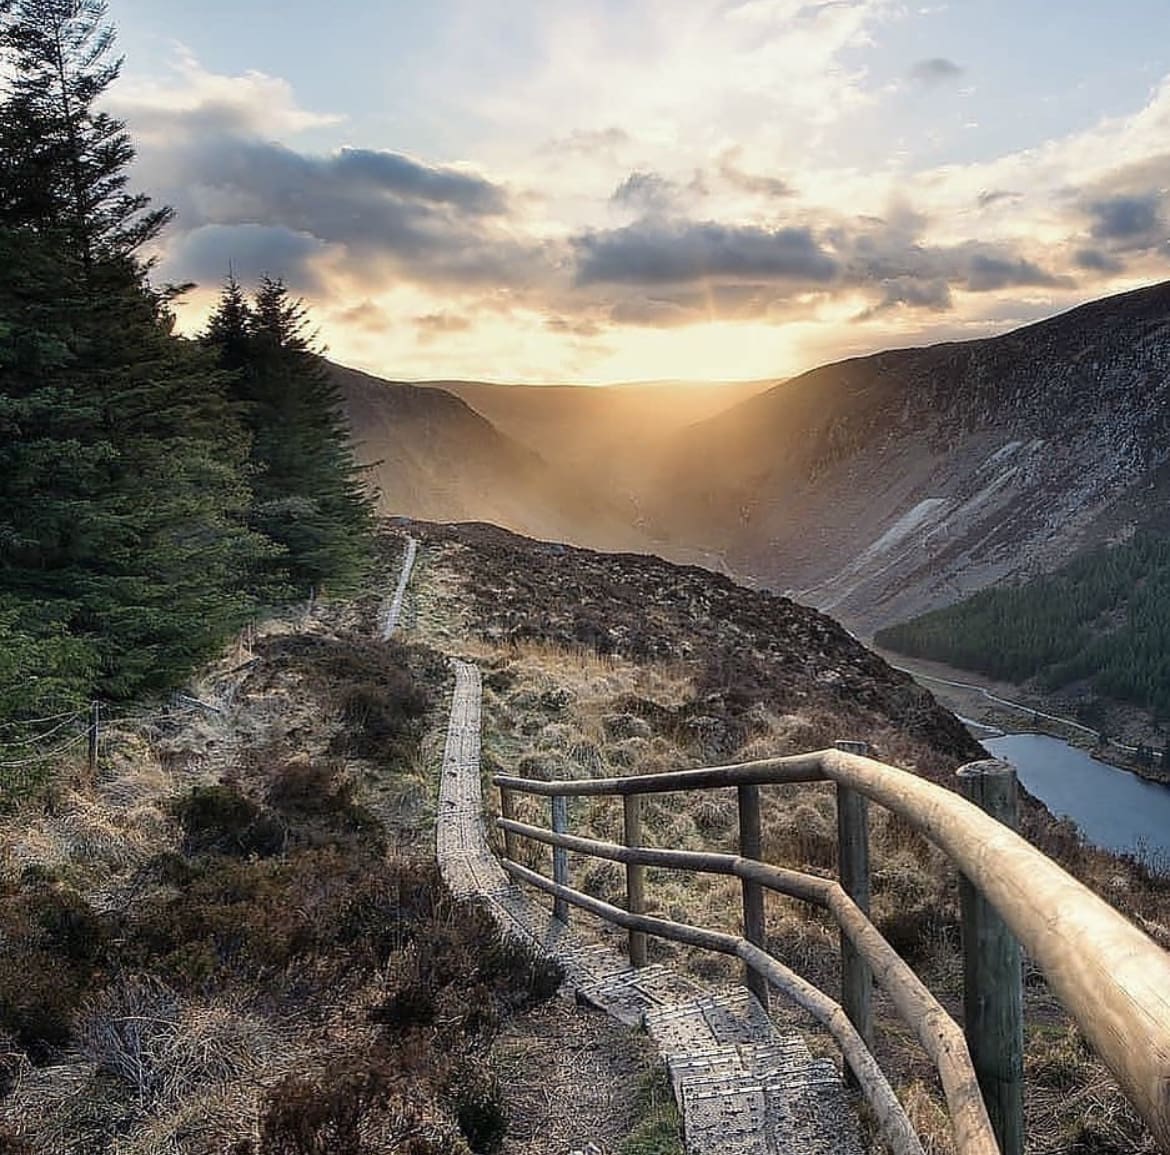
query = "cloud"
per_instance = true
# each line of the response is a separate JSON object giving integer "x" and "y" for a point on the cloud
{"x": 442, "y": 323}
{"x": 365, "y": 315}
{"x": 378, "y": 213}
{"x": 1126, "y": 218}
{"x": 253, "y": 102}
{"x": 650, "y": 252}
{"x": 1095, "y": 261}
{"x": 432, "y": 326}
{"x": 585, "y": 327}
{"x": 588, "y": 142}
{"x": 208, "y": 254}
{"x": 647, "y": 193}
{"x": 997, "y": 196}
{"x": 757, "y": 184}
{"x": 987, "y": 272}
{"x": 935, "y": 70}
{"x": 911, "y": 293}
{"x": 401, "y": 176}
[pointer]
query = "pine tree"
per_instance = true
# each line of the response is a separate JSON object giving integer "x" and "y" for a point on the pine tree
{"x": 122, "y": 488}
{"x": 66, "y": 162}
{"x": 308, "y": 496}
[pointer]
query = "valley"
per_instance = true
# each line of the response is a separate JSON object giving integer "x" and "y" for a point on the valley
{"x": 875, "y": 489}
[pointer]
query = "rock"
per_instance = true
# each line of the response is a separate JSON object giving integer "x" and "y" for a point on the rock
{"x": 619, "y": 726}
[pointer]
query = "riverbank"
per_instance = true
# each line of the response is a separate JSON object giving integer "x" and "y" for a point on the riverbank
{"x": 1010, "y": 708}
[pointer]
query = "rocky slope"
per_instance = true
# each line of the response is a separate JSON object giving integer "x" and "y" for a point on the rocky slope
{"x": 882, "y": 486}
{"x": 750, "y": 656}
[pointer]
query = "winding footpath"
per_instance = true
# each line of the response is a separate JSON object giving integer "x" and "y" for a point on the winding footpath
{"x": 742, "y": 1087}
{"x": 394, "y": 609}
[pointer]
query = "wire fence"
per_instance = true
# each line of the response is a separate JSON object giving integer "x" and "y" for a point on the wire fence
{"x": 30, "y": 748}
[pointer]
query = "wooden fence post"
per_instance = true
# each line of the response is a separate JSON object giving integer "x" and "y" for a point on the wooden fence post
{"x": 754, "y": 928}
{"x": 560, "y": 824}
{"x": 508, "y": 810}
{"x": 993, "y": 986}
{"x": 853, "y": 868}
{"x": 95, "y": 730}
{"x": 635, "y": 876}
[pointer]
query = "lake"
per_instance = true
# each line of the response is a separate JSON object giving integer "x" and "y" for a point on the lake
{"x": 1115, "y": 809}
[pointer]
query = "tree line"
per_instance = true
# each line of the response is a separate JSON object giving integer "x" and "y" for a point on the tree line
{"x": 1102, "y": 620}
{"x": 155, "y": 491}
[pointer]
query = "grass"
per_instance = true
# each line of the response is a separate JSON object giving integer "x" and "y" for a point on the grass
{"x": 225, "y": 944}
{"x": 658, "y": 1130}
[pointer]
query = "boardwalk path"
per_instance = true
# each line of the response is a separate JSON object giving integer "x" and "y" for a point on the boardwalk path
{"x": 741, "y": 1086}
{"x": 394, "y": 609}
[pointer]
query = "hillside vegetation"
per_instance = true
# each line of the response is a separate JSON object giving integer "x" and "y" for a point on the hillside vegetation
{"x": 236, "y": 938}
{"x": 600, "y": 664}
{"x": 1102, "y": 620}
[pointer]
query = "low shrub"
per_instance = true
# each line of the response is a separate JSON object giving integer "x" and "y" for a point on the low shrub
{"x": 219, "y": 819}
{"x": 323, "y": 1115}
{"x": 53, "y": 943}
{"x": 476, "y": 1100}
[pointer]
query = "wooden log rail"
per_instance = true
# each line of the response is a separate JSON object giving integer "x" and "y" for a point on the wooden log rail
{"x": 1111, "y": 978}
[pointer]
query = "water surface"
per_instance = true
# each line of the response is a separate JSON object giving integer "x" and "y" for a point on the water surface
{"x": 1115, "y": 808}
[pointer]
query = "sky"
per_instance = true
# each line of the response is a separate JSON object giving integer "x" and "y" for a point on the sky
{"x": 605, "y": 190}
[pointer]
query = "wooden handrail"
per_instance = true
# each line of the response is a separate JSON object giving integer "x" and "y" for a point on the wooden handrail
{"x": 765, "y": 772}
{"x": 889, "y": 1114}
{"x": 1111, "y": 977}
{"x": 938, "y": 1033}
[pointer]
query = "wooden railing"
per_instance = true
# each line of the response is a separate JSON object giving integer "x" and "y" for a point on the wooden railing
{"x": 1111, "y": 977}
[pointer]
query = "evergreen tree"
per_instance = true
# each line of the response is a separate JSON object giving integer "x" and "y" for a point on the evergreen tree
{"x": 122, "y": 489}
{"x": 308, "y": 496}
{"x": 65, "y": 165}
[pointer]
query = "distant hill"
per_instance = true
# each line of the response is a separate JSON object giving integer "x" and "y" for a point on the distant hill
{"x": 609, "y": 427}
{"x": 434, "y": 457}
{"x": 876, "y": 489}
{"x": 884, "y": 486}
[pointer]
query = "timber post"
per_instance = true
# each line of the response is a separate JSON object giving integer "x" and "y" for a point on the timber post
{"x": 508, "y": 810}
{"x": 853, "y": 868}
{"x": 993, "y": 986}
{"x": 95, "y": 732}
{"x": 635, "y": 876}
{"x": 754, "y": 927}
{"x": 560, "y": 825}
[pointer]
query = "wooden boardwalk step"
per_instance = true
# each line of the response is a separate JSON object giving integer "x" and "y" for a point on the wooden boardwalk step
{"x": 742, "y": 1087}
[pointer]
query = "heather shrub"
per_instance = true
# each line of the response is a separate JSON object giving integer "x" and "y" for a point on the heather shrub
{"x": 219, "y": 819}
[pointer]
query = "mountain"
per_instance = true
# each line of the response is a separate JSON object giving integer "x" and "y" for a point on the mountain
{"x": 431, "y": 456}
{"x": 883, "y": 486}
{"x": 589, "y": 423}
{"x": 571, "y": 462}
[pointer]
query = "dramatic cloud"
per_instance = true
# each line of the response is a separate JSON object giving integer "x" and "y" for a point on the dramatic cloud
{"x": 655, "y": 253}
{"x": 1126, "y": 218}
{"x": 680, "y": 184}
{"x": 935, "y": 70}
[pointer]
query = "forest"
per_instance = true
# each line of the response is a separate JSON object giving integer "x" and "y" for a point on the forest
{"x": 1102, "y": 620}
{"x": 156, "y": 491}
